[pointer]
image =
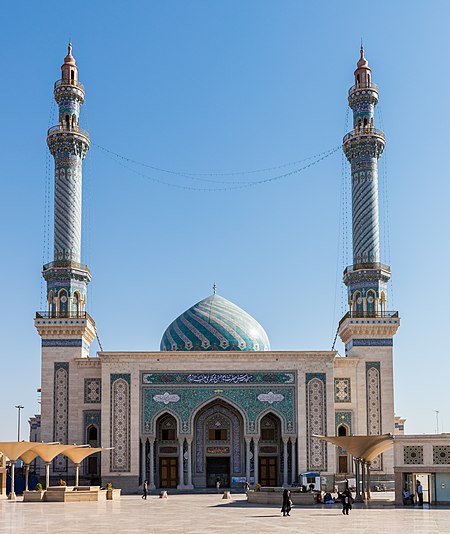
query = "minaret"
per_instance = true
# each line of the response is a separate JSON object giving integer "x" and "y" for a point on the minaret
{"x": 66, "y": 329}
{"x": 66, "y": 277}
{"x": 367, "y": 329}
{"x": 366, "y": 279}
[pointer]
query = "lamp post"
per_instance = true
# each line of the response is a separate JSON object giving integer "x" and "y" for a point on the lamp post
{"x": 19, "y": 407}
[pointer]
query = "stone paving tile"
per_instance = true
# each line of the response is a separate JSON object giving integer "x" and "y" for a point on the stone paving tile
{"x": 201, "y": 514}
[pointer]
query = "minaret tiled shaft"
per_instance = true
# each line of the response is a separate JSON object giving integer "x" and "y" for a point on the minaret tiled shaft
{"x": 68, "y": 143}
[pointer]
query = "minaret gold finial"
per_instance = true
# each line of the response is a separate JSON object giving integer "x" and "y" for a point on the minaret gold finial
{"x": 362, "y": 49}
{"x": 214, "y": 288}
{"x": 69, "y": 48}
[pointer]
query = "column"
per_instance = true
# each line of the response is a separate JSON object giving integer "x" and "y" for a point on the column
{"x": 368, "y": 480}
{"x": 285, "y": 461}
{"x": 143, "y": 460}
{"x": 363, "y": 466}
{"x": 247, "y": 458}
{"x": 357, "y": 477}
{"x": 180, "y": 463}
{"x": 256, "y": 459}
{"x": 151, "y": 454}
{"x": 189, "y": 463}
{"x": 77, "y": 474}
{"x": 12, "y": 495}
{"x": 47, "y": 474}
{"x": 293, "y": 462}
{"x": 27, "y": 472}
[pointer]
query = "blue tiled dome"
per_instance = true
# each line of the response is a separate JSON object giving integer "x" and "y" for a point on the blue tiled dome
{"x": 215, "y": 323}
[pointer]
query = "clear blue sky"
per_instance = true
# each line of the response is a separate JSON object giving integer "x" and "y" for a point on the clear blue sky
{"x": 224, "y": 86}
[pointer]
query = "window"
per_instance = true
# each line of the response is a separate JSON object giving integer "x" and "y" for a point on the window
{"x": 217, "y": 434}
{"x": 92, "y": 433}
{"x": 168, "y": 434}
{"x": 268, "y": 434}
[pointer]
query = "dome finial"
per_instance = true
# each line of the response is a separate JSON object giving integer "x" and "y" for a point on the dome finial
{"x": 214, "y": 288}
{"x": 362, "y": 49}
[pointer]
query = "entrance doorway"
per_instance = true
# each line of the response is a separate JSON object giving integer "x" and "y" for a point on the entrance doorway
{"x": 168, "y": 472}
{"x": 268, "y": 472}
{"x": 218, "y": 468}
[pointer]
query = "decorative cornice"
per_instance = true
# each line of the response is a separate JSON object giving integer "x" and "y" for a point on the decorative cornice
{"x": 371, "y": 328}
{"x": 65, "y": 328}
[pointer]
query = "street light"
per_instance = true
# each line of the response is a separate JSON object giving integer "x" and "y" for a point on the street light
{"x": 19, "y": 407}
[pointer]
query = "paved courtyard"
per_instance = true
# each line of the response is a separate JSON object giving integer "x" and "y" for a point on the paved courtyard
{"x": 209, "y": 513}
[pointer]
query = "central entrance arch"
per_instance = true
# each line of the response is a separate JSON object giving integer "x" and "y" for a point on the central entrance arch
{"x": 218, "y": 446}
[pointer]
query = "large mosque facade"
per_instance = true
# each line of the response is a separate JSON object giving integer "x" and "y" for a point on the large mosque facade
{"x": 216, "y": 401}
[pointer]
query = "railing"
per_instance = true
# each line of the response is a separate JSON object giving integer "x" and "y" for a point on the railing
{"x": 75, "y": 130}
{"x": 369, "y": 315}
{"x": 363, "y": 86}
{"x": 362, "y": 132}
{"x": 70, "y": 314}
{"x": 65, "y": 265}
{"x": 73, "y": 83}
{"x": 362, "y": 266}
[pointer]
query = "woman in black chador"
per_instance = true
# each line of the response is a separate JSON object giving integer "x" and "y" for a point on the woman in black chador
{"x": 347, "y": 501}
{"x": 286, "y": 507}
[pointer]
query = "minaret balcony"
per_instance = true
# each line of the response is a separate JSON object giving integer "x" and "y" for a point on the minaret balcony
{"x": 71, "y": 83}
{"x": 76, "y": 130}
{"x": 363, "y": 133}
{"x": 67, "y": 314}
{"x": 362, "y": 86}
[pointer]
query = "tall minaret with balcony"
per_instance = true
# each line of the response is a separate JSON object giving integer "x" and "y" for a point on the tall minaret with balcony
{"x": 65, "y": 328}
{"x": 367, "y": 329}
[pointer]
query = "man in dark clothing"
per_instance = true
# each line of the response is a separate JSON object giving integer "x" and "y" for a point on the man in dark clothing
{"x": 286, "y": 507}
{"x": 419, "y": 491}
{"x": 144, "y": 489}
{"x": 346, "y": 500}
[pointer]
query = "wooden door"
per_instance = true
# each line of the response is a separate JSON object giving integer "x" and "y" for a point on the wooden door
{"x": 268, "y": 473}
{"x": 343, "y": 467}
{"x": 168, "y": 472}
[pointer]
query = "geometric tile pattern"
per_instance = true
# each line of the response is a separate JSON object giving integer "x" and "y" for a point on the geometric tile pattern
{"x": 215, "y": 324}
{"x": 245, "y": 397}
{"x": 120, "y": 422}
{"x": 316, "y": 420}
{"x": 373, "y": 399}
{"x": 92, "y": 390}
{"x": 60, "y": 410}
{"x": 342, "y": 392}
{"x": 413, "y": 454}
{"x": 441, "y": 454}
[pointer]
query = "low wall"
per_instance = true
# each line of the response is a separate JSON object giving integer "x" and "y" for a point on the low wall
{"x": 71, "y": 494}
{"x": 276, "y": 497}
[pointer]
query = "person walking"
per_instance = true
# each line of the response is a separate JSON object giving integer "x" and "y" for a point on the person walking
{"x": 347, "y": 501}
{"x": 144, "y": 490}
{"x": 218, "y": 485}
{"x": 287, "y": 503}
{"x": 419, "y": 491}
{"x": 247, "y": 486}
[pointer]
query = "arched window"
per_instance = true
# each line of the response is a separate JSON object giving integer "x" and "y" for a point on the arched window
{"x": 92, "y": 433}
{"x": 342, "y": 430}
{"x": 365, "y": 122}
{"x": 72, "y": 74}
{"x": 76, "y": 304}
{"x": 357, "y": 79}
{"x": 67, "y": 121}
{"x": 368, "y": 79}
{"x": 74, "y": 121}
{"x": 357, "y": 302}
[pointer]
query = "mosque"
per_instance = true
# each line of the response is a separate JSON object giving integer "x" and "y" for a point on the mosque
{"x": 216, "y": 402}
